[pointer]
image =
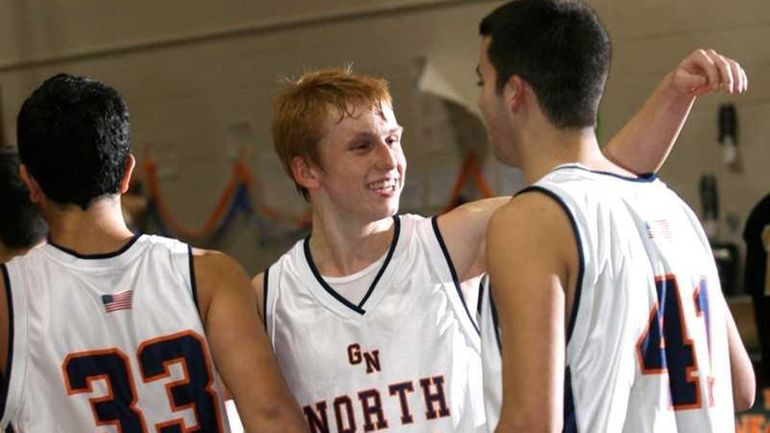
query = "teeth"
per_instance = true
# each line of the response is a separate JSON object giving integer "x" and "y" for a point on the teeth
{"x": 382, "y": 184}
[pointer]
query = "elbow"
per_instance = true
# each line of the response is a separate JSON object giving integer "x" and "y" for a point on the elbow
{"x": 277, "y": 418}
{"x": 744, "y": 386}
{"x": 743, "y": 397}
{"x": 529, "y": 428}
{"x": 528, "y": 425}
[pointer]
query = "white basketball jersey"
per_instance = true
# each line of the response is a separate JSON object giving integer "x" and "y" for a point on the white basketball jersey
{"x": 647, "y": 341}
{"x": 405, "y": 359}
{"x": 109, "y": 343}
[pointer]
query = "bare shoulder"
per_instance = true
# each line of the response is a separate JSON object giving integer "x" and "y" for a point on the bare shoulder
{"x": 533, "y": 208}
{"x": 258, "y": 282}
{"x": 530, "y": 220}
{"x": 258, "y": 285}
{"x": 215, "y": 262}
{"x": 216, "y": 272}
{"x": 463, "y": 231}
{"x": 470, "y": 216}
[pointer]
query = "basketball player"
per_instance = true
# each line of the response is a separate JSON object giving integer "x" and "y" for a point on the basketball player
{"x": 101, "y": 328}
{"x": 365, "y": 315}
{"x": 613, "y": 320}
{"x": 21, "y": 226}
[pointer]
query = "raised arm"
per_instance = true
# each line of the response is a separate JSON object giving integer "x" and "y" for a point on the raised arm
{"x": 240, "y": 347}
{"x": 645, "y": 142}
{"x": 532, "y": 258}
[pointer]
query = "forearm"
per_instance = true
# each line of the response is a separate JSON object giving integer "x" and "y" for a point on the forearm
{"x": 644, "y": 143}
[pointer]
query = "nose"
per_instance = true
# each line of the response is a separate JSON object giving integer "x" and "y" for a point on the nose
{"x": 386, "y": 156}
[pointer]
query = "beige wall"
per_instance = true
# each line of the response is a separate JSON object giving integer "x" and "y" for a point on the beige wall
{"x": 191, "y": 69}
{"x": 649, "y": 37}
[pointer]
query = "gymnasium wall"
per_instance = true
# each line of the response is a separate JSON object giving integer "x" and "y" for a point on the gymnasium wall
{"x": 199, "y": 77}
{"x": 650, "y": 36}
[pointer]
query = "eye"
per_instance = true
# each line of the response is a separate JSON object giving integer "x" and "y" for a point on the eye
{"x": 480, "y": 82}
{"x": 393, "y": 140}
{"x": 361, "y": 145}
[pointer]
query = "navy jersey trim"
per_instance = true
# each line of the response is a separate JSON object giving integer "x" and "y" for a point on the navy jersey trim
{"x": 357, "y": 308}
{"x": 266, "y": 275}
{"x": 393, "y": 243}
{"x": 480, "y": 300}
{"x": 643, "y": 178}
{"x": 193, "y": 286}
{"x": 6, "y": 382}
{"x": 495, "y": 320}
{"x": 116, "y": 253}
{"x": 578, "y": 243}
{"x": 455, "y": 279}
{"x": 570, "y": 419}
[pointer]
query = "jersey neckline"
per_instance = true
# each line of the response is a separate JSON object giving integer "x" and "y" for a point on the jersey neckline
{"x": 641, "y": 178}
{"x": 336, "y": 296}
{"x": 109, "y": 255}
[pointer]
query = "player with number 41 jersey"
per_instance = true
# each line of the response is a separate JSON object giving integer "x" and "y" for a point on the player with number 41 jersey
{"x": 646, "y": 338}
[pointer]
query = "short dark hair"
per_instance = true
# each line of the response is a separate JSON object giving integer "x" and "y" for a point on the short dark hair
{"x": 73, "y": 136}
{"x": 559, "y": 47}
{"x": 21, "y": 225}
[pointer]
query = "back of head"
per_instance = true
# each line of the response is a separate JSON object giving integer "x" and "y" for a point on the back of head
{"x": 300, "y": 110}
{"x": 73, "y": 136}
{"x": 21, "y": 226}
{"x": 559, "y": 47}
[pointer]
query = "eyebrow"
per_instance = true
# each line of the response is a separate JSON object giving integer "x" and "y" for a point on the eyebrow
{"x": 365, "y": 134}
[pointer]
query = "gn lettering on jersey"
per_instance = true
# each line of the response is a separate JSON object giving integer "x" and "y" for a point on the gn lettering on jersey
{"x": 419, "y": 397}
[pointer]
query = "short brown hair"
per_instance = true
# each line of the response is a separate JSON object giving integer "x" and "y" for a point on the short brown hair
{"x": 301, "y": 108}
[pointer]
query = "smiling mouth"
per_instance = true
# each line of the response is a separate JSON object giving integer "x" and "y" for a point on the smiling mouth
{"x": 385, "y": 186}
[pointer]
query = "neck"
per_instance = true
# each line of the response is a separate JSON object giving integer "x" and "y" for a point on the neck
{"x": 548, "y": 147}
{"x": 343, "y": 246}
{"x": 100, "y": 229}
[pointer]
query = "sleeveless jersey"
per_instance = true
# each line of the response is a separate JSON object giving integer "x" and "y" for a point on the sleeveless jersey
{"x": 647, "y": 340}
{"x": 110, "y": 342}
{"x": 405, "y": 359}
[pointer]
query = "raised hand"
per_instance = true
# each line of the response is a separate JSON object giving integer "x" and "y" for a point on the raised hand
{"x": 705, "y": 71}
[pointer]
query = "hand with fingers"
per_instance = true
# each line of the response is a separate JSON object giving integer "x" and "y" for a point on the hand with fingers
{"x": 705, "y": 71}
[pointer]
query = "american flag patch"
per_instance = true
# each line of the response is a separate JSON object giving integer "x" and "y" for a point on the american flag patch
{"x": 659, "y": 228}
{"x": 118, "y": 301}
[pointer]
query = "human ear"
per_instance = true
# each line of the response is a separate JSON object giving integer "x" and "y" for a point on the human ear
{"x": 35, "y": 193}
{"x": 125, "y": 182}
{"x": 513, "y": 93}
{"x": 305, "y": 173}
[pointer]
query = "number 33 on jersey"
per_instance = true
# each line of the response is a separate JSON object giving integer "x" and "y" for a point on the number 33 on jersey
{"x": 108, "y": 343}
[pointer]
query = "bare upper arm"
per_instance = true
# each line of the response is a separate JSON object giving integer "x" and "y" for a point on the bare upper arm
{"x": 258, "y": 286}
{"x": 532, "y": 257}
{"x": 741, "y": 370}
{"x": 239, "y": 345}
{"x": 464, "y": 232}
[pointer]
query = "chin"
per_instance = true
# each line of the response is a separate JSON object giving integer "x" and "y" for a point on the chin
{"x": 387, "y": 210}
